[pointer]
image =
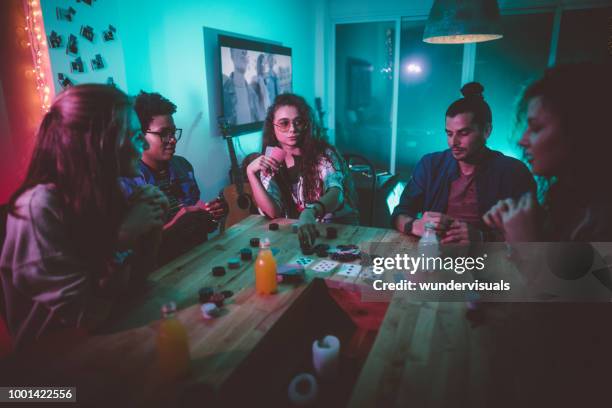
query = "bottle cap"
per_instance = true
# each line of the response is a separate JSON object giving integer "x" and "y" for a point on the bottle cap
{"x": 168, "y": 308}
{"x": 264, "y": 243}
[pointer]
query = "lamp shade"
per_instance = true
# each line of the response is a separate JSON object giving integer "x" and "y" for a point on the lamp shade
{"x": 463, "y": 21}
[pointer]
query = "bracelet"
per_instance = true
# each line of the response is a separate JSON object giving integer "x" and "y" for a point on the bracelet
{"x": 323, "y": 209}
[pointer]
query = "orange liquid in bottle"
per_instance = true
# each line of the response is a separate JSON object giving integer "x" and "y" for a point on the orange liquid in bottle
{"x": 172, "y": 344}
{"x": 265, "y": 270}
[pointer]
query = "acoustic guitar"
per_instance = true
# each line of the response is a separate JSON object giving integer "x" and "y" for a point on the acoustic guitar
{"x": 238, "y": 195}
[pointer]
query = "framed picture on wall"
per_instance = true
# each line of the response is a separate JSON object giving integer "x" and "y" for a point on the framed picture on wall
{"x": 253, "y": 73}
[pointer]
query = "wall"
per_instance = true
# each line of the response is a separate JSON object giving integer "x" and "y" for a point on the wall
{"x": 163, "y": 51}
{"x": 20, "y": 105}
{"x": 98, "y": 15}
{"x": 159, "y": 47}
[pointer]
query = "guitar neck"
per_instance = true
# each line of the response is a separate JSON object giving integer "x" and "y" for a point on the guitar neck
{"x": 235, "y": 171}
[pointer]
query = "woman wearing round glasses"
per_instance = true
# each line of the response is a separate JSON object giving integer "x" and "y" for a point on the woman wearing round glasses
{"x": 300, "y": 174}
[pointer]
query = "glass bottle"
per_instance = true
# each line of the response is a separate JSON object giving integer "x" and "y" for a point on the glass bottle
{"x": 265, "y": 270}
{"x": 172, "y": 344}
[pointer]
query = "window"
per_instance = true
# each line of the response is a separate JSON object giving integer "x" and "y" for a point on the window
{"x": 364, "y": 90}
{"x": 429, "y": 81}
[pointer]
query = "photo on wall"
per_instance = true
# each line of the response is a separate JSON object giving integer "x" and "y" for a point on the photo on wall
{"x": 253, "y": 73}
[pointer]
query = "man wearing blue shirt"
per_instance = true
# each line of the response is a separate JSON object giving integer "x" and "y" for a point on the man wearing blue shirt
{"x": 454, "y": 188}
{"x": 188, "y": 220}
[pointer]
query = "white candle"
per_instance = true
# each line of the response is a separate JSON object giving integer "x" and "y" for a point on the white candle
{"x": 325, "y": 357}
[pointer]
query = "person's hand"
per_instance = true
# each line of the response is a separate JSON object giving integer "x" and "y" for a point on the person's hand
{"x": 150, "y": 194}
{"x": 517, "y": 220}
{"x": 439, "y": 220}
{"x": 307, "y": 230}
{"x": 493, "y": 217}
{"x": 141, "y": 218}
{"x": 190, "y": 216}
{"x": 265, "y": 164}
{"x": 461, "y": 232}
{"x": 217, "y": 208}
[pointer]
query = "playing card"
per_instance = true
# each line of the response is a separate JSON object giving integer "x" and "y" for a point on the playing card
{"x": 368, "y": 275}
{"x": 303, "y": 261}
{"x": 276, "y": 153}
{"x": 325, "y": 266}
{"x": 349, "y": 270}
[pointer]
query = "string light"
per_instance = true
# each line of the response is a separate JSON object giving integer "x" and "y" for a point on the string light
{"x": 40, "y": 54}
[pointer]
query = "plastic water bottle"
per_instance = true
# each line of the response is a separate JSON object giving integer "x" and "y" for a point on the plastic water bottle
{"x": 429, "y": 245}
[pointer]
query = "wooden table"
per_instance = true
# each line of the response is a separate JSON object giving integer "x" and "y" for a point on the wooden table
{"x": 254, "y": 333}
{"x": 426, "y": 354}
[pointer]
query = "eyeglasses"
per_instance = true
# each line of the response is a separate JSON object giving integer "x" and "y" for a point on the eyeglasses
{"x": 285, "y": 124}
{"x": 166, "y": 134}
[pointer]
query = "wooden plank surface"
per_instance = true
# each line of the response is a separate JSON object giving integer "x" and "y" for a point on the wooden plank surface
{"x": 426, "y": 354}
{"x": 125, "y": 353}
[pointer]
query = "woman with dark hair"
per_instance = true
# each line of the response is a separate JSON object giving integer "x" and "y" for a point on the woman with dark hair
{"x": 69, "y": 231}
{"x": 567, "y": 142}
{"x": 303, "y": 175}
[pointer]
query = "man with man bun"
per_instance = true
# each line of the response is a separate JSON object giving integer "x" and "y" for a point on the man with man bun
{"x": 454, "y": 188}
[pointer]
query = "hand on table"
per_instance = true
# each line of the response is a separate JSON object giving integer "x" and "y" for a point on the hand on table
{"x": 439, "y": 220}
{"x": 461, "y": 232}
{"x": 307, "y": 230}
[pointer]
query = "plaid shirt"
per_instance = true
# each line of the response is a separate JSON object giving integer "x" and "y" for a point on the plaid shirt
{"x": 178, "y": 183}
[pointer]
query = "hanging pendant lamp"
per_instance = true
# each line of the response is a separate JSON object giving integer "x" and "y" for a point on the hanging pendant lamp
{"x": 463, "y": 21}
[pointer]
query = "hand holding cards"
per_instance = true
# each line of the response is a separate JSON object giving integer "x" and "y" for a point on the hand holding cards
{"x": 276, "y": 153}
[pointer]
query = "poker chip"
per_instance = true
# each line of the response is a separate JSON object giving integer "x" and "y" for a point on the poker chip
{"x": 322, "y": 253}
{"x": 306, "y": 250}
{"x": 332, "y": 233}
{"x": 233, "y": 263}
{"x": 204, "y": 294}
{"x": 254, "y": 242}
{"x": 346, "y": 253}
{"x": 209, "y": 310}
{"x": 227, "y": 294}
{"x": 246, "y": 254}
{"x": 217, "y": 299}
{"x": 273, "y": 226}
{"x": 218, "y": 271}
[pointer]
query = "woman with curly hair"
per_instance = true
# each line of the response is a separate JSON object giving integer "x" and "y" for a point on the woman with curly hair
{"x": 300, "y": 174}
{"x": 567, "y": 142}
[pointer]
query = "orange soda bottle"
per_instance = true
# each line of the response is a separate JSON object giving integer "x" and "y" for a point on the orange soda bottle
{"x": 265, "y": 269}
{"x": 172, "y": 344}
